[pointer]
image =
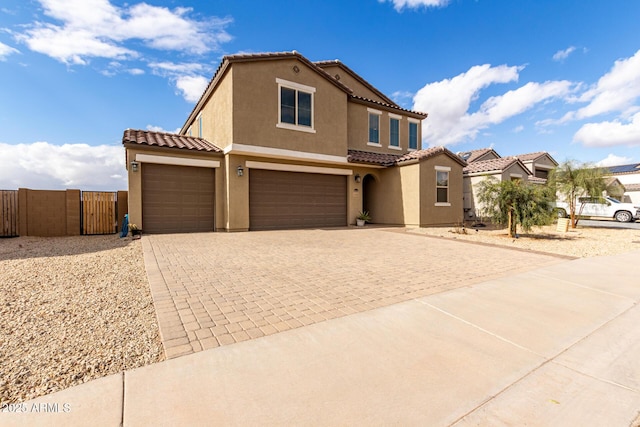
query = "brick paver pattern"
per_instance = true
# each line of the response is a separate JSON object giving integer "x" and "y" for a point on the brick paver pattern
{"x": 214, "y": 289}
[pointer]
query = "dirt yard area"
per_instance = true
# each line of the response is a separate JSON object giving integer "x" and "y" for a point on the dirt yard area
{"x": 73, "y": 309}
{"x": 581, "y": 242}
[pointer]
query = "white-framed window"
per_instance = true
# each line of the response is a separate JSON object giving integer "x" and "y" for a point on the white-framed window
{"x": 413, "y": 134}
{"x": 394, "y": 131}
{"x": 295, "y": 106}
{"x": 442, "y": 186}
{"x": 199, "y": 122}
{"x": 189, "y": 132}
{"x": 374, "y": 126}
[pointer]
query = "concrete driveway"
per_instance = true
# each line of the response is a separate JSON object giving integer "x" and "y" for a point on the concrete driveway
{"x": 216, "y": 289}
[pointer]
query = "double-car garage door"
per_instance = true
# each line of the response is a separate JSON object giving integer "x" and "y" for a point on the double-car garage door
{"x": 280, "y": 200}
{"x": 177, "y": 199}
{"x": 181, "y": 199}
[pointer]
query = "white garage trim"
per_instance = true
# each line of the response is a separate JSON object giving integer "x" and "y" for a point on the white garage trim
{"x": 177, "y": 161}
{"x": 282, "y": 153}
{"x": 297, "y": 168}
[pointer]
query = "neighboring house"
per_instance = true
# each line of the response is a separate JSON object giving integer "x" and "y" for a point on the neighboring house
{"x": 629, "y": 177}
{"x": 539, "y": 164}
{"x": 501, "y": 169}
{"x": 478, "y": 155}
{"x": 277, "y": 141}
{"x": 614, "y": 188}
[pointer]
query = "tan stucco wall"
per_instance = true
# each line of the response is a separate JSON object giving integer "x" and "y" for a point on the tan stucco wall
{"x": 135, "y": 180}
{"x": 217, "y": 114}
{"x": 430, "y": 214}
{"x": 255, "y": 109}
{"x": 395, "y": 200}
{"x": 358, "y": 88}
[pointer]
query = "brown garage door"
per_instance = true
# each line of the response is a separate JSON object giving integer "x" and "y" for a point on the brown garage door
{"x": 177, "y": 199}
{"x": 279, "y": 200}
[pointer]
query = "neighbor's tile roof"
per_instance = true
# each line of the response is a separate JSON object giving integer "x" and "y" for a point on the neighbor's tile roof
{"x": 632, "y": 187}
{"x": 168, "y": 140}
{"x": 474, "y": 155}
{"x": 531, "y": 156}
{"x": 622, "y": 169}
{"x": 490, "y": 165}
{"x": 429, "y": 152}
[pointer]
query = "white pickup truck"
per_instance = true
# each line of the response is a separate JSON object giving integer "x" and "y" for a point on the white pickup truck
{"x": 604, "y": 207}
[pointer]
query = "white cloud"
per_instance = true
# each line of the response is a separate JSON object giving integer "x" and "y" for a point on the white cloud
{"x": 414, "y": 4}
{"x": 610, "y": 133}
{"x": 41, "y": 165}
{"x": 153, "y": 128}
{"x": 6, "y": 50}
{"x": 96, "y": 28}
{"x": 186, "y": 76}
{"x": 448, "y": 102}
{"x": 616, "y": 91}
{"x": 518, "y": 129}
{"x": 561, "y": 55}
{"x": 613, "y": 160}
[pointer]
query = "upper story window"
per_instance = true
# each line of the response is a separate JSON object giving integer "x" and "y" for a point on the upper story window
{"x": 295, "y": 106}
{"x": 394, "y": 131}
{"x": 189, "y": 132}
{"x": 199, "y": 121}
{"x": 413, "y": 135}
{"x": 374, "y": 126}
{"x": 442, "y": 186}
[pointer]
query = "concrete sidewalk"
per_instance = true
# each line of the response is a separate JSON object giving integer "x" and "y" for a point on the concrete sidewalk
{"x": 559, "y": 345}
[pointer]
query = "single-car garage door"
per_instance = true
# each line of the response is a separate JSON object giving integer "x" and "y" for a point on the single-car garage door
{"x": 177, "y": 199}
{"x": 279, "y": 200}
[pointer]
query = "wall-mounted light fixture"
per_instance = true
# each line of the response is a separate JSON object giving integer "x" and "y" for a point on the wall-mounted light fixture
{"x": 357, "y": 178}
{"x": 134, "y": 166}
{"x": 240, "y": 170}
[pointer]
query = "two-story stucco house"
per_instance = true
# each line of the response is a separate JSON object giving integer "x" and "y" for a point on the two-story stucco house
{"x": 277, "y": 141}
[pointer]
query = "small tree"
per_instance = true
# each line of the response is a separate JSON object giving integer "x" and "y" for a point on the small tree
{"x": 515, "y": 202}
{"x": 572, "y": 180}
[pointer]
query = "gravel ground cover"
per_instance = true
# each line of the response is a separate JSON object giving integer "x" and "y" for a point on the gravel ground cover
{"x": 72, "y": 309}
{"x": 580, "y": 242}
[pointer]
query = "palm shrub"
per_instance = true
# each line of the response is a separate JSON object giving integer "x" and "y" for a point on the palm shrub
{"x": 515, "y": 202}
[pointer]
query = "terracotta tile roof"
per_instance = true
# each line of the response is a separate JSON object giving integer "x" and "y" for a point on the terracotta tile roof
{"x": 367, "y": 157}
{"x": 169, "y": 140}
{"x": 388, "y": 106}
{"x": 385, "y": 159}
{"x": 632, "y": 187}
{"x": 429, "y": 152}
{"x": 623, "y": 169}
{"x": 473, "y": 155}
{"x": 491, "y": 165}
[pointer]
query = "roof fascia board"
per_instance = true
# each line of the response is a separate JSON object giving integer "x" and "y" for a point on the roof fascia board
{"x": 358, "y": 78}
{"x": 391, "y": 108}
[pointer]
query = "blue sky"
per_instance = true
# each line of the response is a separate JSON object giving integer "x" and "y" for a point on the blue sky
{"x": 518, "y": 76}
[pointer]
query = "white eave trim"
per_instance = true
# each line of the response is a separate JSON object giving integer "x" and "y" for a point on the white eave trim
{"x": 250, "y": 164}
{"x": 177, "y": 161}
{"x": 279, "y": 153}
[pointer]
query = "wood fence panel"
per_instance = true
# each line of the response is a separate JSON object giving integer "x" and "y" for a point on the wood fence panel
{"x": 9, "y": 213}
{"x": 99, "y": 212}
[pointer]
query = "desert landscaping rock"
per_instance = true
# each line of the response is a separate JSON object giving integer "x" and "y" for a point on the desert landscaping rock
{"x": 581, "y": 242}
{"x": 73, "y": 309}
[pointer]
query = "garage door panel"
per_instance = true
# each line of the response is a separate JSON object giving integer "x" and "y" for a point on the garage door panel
{"x": 280, "y": 200}
{"x": 177, "y": 199}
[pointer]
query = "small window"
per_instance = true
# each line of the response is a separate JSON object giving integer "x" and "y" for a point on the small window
{"x": 413, "y": 135}
{"x": 394, "y": 132}
{"x": 200, "y": 125}
{"x": 189, "y": 131}
{"x": 296, "y": 106}
{"x": 442, "y": 186}
{"x": 374, "y": 128}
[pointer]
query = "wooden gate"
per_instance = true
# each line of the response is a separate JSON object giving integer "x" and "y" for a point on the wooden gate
{"x": 8, "y": 213}
{"x": 99, "y": 212}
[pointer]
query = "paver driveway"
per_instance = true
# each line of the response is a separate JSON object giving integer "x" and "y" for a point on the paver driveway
{"x": 214, "y": 289}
